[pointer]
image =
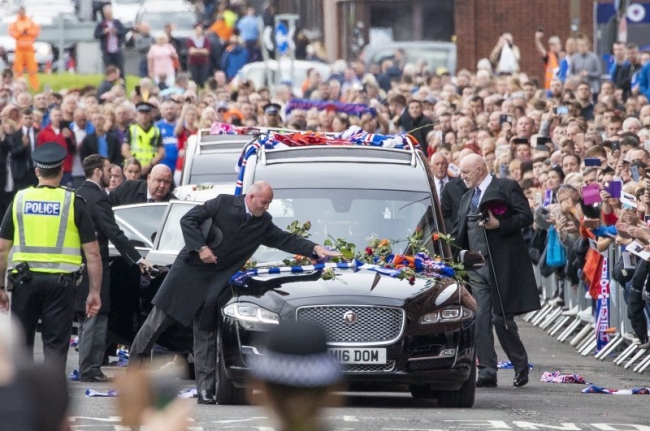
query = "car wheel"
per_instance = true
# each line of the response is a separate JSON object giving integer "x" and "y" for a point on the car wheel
{"x": 464, "y": 397}
{"x": 226, "y": 393}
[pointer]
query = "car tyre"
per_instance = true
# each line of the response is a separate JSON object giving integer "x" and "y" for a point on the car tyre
{"x": 462, "y": 398}
{"x": 227, "y": 394}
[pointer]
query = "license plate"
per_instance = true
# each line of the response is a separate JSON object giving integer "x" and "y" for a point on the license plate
{"x": 359, "y": 356}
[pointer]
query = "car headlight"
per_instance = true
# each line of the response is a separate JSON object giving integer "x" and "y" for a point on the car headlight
{"x": 44, "y": 50}
{"x": 449, "y": 314}
{"x": 250, "y": 313}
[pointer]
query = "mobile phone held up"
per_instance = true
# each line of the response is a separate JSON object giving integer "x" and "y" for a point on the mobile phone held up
{"x": 562, "y": 110}
{"x": 505, "y": 118}
{"x": 592, "y": 161}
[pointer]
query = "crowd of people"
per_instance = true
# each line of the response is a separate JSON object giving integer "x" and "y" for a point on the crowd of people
{"x": 577, "y": 144}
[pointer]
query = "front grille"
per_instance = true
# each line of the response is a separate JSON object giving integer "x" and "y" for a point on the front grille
{"x": 368, "y": 368}
{"x": 373, "y": 325}
{"x": 431, "y": 364}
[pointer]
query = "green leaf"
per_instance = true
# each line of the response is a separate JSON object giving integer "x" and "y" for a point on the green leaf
{"x": 347, "y": 253}
{"x": 328, "y": 243}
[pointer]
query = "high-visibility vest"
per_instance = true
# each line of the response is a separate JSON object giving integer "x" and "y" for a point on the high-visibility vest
{"x": 45, "y": 234}
{"x": 142, "y": 143}
{"x": 552, "y": 66}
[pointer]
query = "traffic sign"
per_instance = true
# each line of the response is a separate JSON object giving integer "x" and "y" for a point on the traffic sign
{"x": 281, "y": 38}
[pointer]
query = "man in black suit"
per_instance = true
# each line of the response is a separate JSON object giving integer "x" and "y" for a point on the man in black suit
{"x": 23, "y": 142}
{"x": 102, "y": 143}
{"x": 449, "y": 189}
{"x": 239, "y": 225}
{"x": 514, "y": 291}
{"x": 92, "y": 332}
{"x": 156, "y": 188}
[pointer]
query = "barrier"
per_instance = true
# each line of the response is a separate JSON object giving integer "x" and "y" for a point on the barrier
{"x": 573, "y": 320}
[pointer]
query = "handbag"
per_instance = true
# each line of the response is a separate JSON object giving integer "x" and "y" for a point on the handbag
{"x": 555, "y": 251}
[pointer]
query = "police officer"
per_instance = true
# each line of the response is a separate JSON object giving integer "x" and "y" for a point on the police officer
{"x": 143, "y": 139}
{"x": 47, "y": 226}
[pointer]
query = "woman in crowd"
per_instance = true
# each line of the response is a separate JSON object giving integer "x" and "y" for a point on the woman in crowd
{"x": 132, "y": 169}
{"x": 161, "y": 58}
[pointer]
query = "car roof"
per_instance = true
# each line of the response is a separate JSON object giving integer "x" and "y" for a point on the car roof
{"x": 343, "y": 167}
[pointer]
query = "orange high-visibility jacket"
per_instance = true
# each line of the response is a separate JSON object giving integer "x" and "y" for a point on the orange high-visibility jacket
{"x": 25, "y": 31}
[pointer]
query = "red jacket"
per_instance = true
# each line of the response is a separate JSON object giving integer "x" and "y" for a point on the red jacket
{"x": 48, "y": 135}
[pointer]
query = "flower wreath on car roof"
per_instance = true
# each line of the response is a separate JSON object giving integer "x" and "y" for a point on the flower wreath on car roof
{"x": 380, "y": 259}
{"x": 352, "y": 136}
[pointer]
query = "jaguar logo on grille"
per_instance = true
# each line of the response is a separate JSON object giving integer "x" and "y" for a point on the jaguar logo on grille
{"x": 350, "y": 317}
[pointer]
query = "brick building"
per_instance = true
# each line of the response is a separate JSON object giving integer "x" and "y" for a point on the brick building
{"x": 475, "y": 25}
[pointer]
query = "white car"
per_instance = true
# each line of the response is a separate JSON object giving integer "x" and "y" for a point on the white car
{"x": 44, "y": 54}
{"x": 159, "y": 13}
{"x": 256, "y": 72}
{"x": 125, "y": 11}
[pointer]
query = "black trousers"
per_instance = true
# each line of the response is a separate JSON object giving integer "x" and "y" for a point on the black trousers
{"x": 205, "y": 346}
{"x": 636, "y": 314}
{"x": 49, "y": 297}
{"x": 116, "y": 59}
{"x": 199, "y": 73}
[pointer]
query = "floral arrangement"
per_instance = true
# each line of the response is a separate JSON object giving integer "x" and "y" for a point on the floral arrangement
{"x": 377, "y": 256}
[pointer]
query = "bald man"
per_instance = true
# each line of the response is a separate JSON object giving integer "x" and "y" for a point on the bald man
{"x": 156, "y": 188}
{"x": 239, "y": 225}
{"x": 514, "y": 291}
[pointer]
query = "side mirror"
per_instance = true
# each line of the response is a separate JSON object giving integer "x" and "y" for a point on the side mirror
{"x": 153, "y": 237}
{"x": 472, "y": 260}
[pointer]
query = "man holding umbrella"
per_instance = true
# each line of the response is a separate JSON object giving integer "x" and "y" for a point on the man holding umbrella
{"x": 490, "y": 218}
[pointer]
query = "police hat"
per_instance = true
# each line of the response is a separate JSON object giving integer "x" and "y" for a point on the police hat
{"x": 144, "y": 107}
{"x": 296, "y": 355}
{"x": 50, "y": 155}
{"x": 498, "y": 203}
{"x": 272, "y": 108}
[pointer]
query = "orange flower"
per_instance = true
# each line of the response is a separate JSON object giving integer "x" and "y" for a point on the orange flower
{"x": 435, "y": 237}
{"x": 384, "y": 242}
{"x": 398, "y": 259}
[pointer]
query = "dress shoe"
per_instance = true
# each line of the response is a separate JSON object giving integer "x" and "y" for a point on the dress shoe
{"x": 572, "y": 311}
{"x": 486, "y": 383}
{"x": 586, "y": 315}
{"x": 521, "y": 378}
{"x": 100, "y": 378}
{"x": 206, "y": 397}
{"x": 645, "y": 346}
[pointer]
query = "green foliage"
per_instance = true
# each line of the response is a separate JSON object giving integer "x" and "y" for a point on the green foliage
{"x": 60, "y": 81}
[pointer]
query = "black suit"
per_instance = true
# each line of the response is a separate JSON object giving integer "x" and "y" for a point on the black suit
{"x": 133, "y": 192}
{"x": 6, "y": 197}
{"x": 514, "y": 273}
{"x": 90, "y": 145}
{"x": 183, "y": 302}
{"x": 452, "y": 193}
{"x": 92, "y": 332}
{"x": 22, "y": 165}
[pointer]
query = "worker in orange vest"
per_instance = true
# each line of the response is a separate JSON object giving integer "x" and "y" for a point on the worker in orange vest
{"x": 25, "y": 31}
{"x": 551, "y": 57}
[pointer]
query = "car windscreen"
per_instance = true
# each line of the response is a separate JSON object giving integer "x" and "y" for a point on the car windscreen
{"x": 354, "y": 215}
{"x": 434, "y": 58}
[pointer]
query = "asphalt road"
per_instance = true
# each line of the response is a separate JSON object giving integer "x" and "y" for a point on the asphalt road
{"x": 537, "y": 406}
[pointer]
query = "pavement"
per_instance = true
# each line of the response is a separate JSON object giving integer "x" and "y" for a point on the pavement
{"x": 536, "y": 406}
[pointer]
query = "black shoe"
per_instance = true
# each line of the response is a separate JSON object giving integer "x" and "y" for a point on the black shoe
{"x": 645, "y": 346}
{"x": 486, "y": 383}
{"x": 206, "y": 397}
{"x": 100, "y": 378}
{"x": 521, "y": 378}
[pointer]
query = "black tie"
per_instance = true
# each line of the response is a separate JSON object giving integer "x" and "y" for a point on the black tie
{"x": 248, "y": 216}
{"x": 442, "y": 185}
{"x": 150, "y": 200}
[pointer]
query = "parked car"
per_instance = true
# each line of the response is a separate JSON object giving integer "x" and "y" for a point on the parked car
{"x": 125, "y": 11}
{"x": 257, "y": 72}
{"x": 436, "y": 54}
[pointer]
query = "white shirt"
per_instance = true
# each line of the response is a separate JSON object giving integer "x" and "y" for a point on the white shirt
{"x": 77, "y": 166}
{"x": 439, "y": 183}
{"x": 483, "y": 187}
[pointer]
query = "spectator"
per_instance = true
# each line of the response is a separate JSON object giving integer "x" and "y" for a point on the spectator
{"x": 101, "y": 142}
{"x": 117, "y": 178}
{"x": 160, "y": 60}
{"x": 620, "y": 69}
{"x": 505, "y": 56}
{"x": 25, "y": 31}
{"x": 585, "y": 65}
{"x": 167, "y": 126}
{"x": 551, "y": 57}
{"x": 412, "y": 121}
{"x": 143, "y": 43}
{"x": 198, "y": 59}
{"x": 249, "y": 31}
{"x": 110, "y": 32}
{"x": 132, "y": 169}
{"x": 111, "y": 77}
{"x": 234, "y": 58}
{"x": 61, "y": 134}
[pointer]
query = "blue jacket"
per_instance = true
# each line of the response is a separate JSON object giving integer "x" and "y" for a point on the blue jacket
{"x": 644, "y": 80}
{"x": 234, "y": 58}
